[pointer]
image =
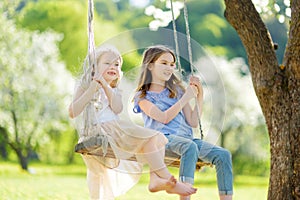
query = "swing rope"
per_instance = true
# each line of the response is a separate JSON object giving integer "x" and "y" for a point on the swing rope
{"x": 89, "y": 63}
{"x": 188, "y": 37}
{"x": 91, "y": 40}
{"x": 176, "y": 40}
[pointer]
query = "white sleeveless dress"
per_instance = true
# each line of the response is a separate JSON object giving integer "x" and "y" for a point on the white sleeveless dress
{"x": 126, "y": 139}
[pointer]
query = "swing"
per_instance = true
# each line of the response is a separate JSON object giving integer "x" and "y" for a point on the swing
{"x": 92, "y": 146}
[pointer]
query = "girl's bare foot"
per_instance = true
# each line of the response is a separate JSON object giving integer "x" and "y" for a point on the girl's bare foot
{"x": 186, "y": 197}
{"x": 182, "y": 189}
{"x": 157, "y": 183}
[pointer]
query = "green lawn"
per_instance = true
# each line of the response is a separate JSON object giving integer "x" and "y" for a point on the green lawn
{"x": 68, "y": 182}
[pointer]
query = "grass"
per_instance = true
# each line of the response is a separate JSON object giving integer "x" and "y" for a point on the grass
{"x": 68, "y": 182}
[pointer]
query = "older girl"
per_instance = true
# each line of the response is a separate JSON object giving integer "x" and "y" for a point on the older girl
{"x": 165, "y": 106}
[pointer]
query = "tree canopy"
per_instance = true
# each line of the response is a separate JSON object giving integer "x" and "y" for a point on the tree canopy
{"x": 33, "y": 103}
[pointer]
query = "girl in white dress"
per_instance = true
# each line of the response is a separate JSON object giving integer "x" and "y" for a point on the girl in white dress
{"x": 98, "y": 100}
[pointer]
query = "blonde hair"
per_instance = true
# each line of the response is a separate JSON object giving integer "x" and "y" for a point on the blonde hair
{"x": 150, "y": 55}
{"x": 89, "y": 71}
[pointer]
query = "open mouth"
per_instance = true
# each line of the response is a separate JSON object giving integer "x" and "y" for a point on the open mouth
{"x": 111, "y": 73}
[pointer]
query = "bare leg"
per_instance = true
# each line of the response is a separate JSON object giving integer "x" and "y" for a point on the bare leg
{"x": 155, "y": 158}
{"x": 93, "y": 181}
{"x": 160, "y": 177}
{"x": 225, "y": 197}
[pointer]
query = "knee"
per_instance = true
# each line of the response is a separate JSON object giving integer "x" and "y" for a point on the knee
{"x": 149, "y": 145}
{"x": 191, "y": 149}
{"x": 225, "y": 155}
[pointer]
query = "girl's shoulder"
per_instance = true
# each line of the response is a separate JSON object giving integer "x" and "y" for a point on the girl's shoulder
{"x": 137, "y": 95}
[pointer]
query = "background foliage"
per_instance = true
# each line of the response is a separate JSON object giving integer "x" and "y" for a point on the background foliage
{"x": 41, "y": 39}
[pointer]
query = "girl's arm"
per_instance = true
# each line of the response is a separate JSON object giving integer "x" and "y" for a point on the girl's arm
{"x": 192, "y": 115}
{"x": 114, "y": 98}
{"x": 166, "y": 116}
{"x": 82, "y": 98}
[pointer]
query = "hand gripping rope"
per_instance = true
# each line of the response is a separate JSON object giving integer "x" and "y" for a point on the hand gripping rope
{"x": 188, "y": 36}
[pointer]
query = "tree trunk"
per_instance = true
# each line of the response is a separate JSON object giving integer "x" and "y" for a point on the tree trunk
{"x": 23, "y": 160}
{"x": 3, "y": 151}
{"x": 278, "y": 90}
{"x": 3, "y": 143}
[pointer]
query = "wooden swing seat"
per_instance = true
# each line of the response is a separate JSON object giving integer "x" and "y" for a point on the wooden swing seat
{"x": 92, "y": 146}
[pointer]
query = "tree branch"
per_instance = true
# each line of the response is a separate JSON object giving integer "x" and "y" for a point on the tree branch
{"x": 242, "y": 15}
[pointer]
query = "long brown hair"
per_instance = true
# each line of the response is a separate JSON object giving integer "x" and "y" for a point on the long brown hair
{"x": 150, "y": 55}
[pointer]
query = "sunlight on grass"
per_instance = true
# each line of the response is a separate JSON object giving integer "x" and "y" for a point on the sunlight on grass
{"x": 245, "y": 188}
{"x": 68, "y": 182}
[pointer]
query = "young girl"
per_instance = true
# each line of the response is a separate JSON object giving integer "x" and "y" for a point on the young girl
{"x": 99, "y": 101}
{"x": 165, "y": 106}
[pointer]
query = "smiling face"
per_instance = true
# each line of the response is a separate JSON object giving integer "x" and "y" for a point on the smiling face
{"x": 109, "y": 65}
{"x": 163, "y": 68}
